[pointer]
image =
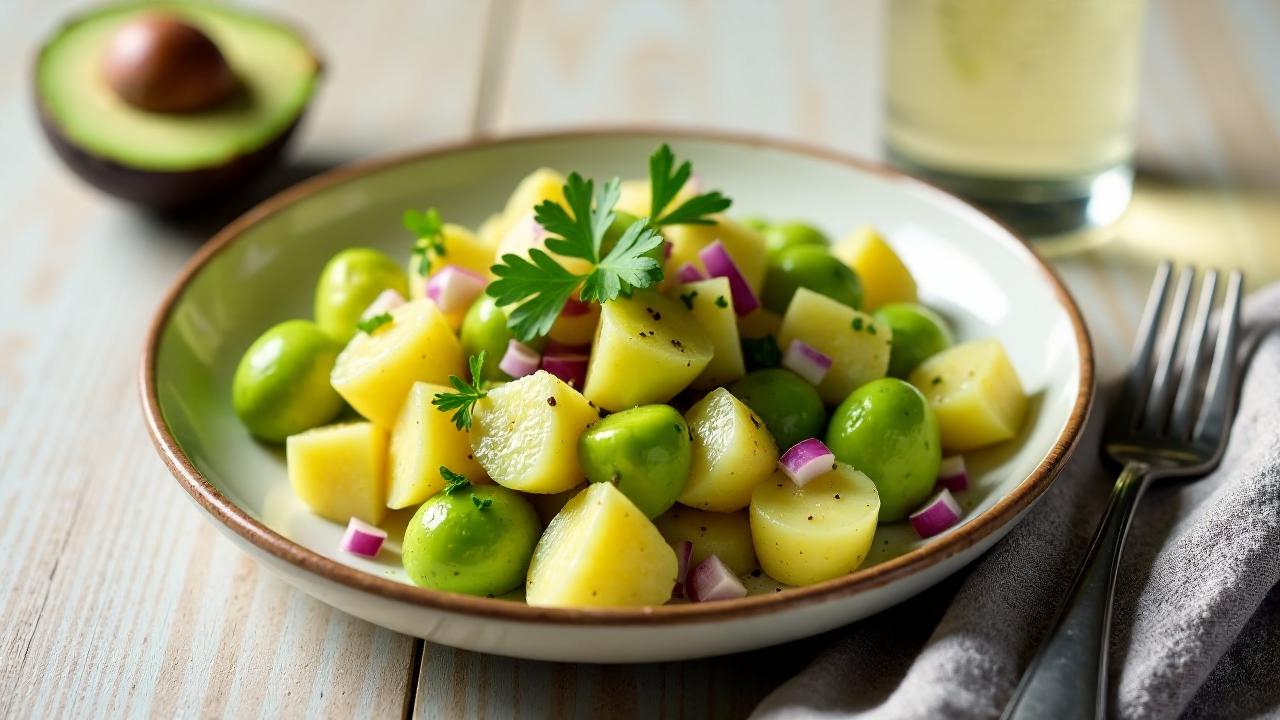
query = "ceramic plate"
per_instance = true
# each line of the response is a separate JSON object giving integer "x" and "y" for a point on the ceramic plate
{"x": 262, "y": 268}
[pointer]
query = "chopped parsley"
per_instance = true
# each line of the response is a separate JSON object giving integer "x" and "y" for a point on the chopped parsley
{"x": 761, "y": 353}
{"x": 721, "y": 302}
{"x": 453, "y": 482}
{"x": 481, "y": 503}
{"x": 428, "y": 227}
{"x": 687, "y": 298}
{"x": 369, "y": 324}
{"x": 857, "y": 324}
{"x": 466, "y": 396}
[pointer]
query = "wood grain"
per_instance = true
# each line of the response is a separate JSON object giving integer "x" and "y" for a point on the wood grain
{"x": 116, "y": 598}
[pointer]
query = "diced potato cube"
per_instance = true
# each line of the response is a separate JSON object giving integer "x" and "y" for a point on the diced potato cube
{"x": 339, "y": 471}
{"x": 885, "y": 279}
{"x": 525, "y": 234}
{"x": 732, "y": 453}
{"x": 541, "y": 184}
{"x": 745, "y": 246}
{"x": 712, "y": 306}
{"x": 576, "y": 329}
{"x": 375, "y": 372}
{"x": 647, "y": 348}
{"x": 725, "y": 535}
{"x": 759, "y": 323}
{"x": 975, "y": 392}
{"x": 424, "y": 439}
{"x": 857, "y": 345}
{"x": 525, "y": 433}
{"x": 804, "y": 535}
{"x": 462, "y": 248}
{"x": 601, "y": 551}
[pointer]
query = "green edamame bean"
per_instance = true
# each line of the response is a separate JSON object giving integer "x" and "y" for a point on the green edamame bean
{"x": 281, "y": 386}
{"x": 349, "y": 282}
{"x": 787, "y": 403}
{"x": 812, "y": 267}
{"x": 644, "y": 451}
{"x": 918, "y": 333}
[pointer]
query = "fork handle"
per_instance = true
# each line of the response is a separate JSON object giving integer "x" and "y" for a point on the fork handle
{"x": 1068, "y": 677}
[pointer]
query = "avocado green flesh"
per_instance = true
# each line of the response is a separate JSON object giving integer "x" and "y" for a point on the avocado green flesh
{"x": 277, "y": 73}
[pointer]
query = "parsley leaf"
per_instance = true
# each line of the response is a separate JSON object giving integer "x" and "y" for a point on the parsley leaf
{"x": 453, "y": 482}
{"x": 373, "y": 322}
{"x": 481, "y": 503}
{"x": 687, "y": 298}
{"x": 466, "y": 396}
{"x": 721, "y": 302}
{"x": 540, "y": 286}
{"x": 761, "y": 353}
{"x": 665, "y": 184}
{"x": 428, "y": 227}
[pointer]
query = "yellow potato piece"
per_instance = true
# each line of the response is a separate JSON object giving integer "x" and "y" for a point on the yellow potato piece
{"x": 857, "y": 345}
{"x": 525, "y": 433}
{"x": 725, "y": 535}
{"x": 461, "y": 248}
{"x": 647, "y": 348}
{"x": 758, "y": 323}
{"x": 524, "y": 235}
{"x": 975, "y": 392}
{"x": 541, "y": 184}
{"x": 732, "y": 453}
{"x": 745, "y": 246}
{"x": 814, "y": 533}
{"x": 712, "y": 307}
{"x": 375, "y": 372}
{"x": 601, "y": 551}
{"x": 885, "y": 279}
{"x": 339, "y": 471}
{"x": 423, "y": 439}
{"x": 576, "y": 329}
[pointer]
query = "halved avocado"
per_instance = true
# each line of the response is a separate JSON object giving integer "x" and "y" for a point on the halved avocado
{"x": 172, "y": 159}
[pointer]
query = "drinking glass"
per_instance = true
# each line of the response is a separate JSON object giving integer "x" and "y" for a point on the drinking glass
{"x": 1024, "y": 106}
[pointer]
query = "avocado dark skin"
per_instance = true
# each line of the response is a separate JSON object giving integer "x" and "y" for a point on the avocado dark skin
{"x": 163, "y": 65}
{"x": 163, "y": 191}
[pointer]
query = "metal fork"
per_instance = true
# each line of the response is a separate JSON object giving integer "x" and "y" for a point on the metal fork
{"x": 1166, "y": 423}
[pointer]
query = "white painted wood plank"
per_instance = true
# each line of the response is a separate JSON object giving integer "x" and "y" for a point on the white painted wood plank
{"x": 117, "y": 598}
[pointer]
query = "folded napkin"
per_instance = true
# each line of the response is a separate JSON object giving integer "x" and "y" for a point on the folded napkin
{"x": 1196, "y": 628}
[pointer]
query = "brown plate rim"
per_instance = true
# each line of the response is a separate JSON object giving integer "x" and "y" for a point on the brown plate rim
{"x": 259, "y": 535}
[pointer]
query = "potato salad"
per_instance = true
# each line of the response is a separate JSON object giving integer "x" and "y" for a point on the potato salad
{"x": 613, "y": 394}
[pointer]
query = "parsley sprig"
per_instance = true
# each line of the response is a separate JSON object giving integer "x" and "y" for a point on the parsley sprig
{"x": 665, "y": 183}
{"x": 465, "y": 398}
{"x": 541, "y": 286}
{"x": 428, "y": 227}
{"x": 453, "y": 482}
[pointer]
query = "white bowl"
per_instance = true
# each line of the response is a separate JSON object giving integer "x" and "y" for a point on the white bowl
{"x": 260, "y": 270}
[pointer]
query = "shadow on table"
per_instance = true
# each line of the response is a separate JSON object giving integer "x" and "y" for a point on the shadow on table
{"x": 196, "y": 225}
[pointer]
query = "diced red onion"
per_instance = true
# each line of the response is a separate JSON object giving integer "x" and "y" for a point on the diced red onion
{"x": 519, "y": 360}
{"x": 569, "y": 368}
{"x": 361, "y": 538}
{"x": 574, "y": 307}
{"x": 555, "y": 347}
{"x": 455, "y": 288}
{"x": 939, "y": 513}
{"x": 684, "y": 553}
{"x": 952, "y": 474}
{"x": 713, "y": 580}
{"x": 806, "y": 361}
{"x": 386, "y": 301}
{"x": 716, "y": 259}
{"x": 689, "y": 272}
{"x": 806, "y": 460}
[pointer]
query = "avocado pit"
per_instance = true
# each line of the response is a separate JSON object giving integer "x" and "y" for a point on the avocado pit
{"x": 159, "y": 63}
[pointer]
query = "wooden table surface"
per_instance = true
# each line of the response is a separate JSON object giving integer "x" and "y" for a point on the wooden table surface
{"x": 118, "y": 598}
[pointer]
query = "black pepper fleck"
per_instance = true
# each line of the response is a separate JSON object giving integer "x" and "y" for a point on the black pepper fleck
{"x": 551, "y": 401}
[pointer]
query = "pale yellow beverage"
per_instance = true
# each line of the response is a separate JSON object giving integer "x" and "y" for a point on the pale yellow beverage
{"x": 1014, "y": 100}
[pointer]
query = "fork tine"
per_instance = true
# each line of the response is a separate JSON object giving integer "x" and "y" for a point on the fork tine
{"x": 1134, "y": 393}
{"x": 1183, "y": 417}
{"x": 1164, "y": 380}
{"x": 1211, "y": 428}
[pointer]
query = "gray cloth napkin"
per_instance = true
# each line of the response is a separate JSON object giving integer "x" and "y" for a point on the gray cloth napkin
{"x": 1196, "y": 628}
